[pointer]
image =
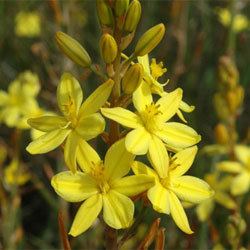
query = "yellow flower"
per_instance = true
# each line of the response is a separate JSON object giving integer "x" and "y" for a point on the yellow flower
{"x": 240, "y": 21}
{"x": 166, "y": 192}
{"x": 151, "y": 74}
{"x": 102, "y": 186}
{"x": 28, "y": 24}
{"x": 14, "y": 173}
{"x": 19, "y": 99}
{"x": 80, "y": 121}
{"x": 241, "y": 182}
{"x": 220, "y": 187}
{"x": 150, "y": 126}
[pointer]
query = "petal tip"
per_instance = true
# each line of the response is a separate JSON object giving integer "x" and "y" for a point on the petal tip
{"x": 73, "y": 233}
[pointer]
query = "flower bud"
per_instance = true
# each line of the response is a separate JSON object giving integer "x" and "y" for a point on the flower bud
{"x": 132, "y": 78}
{"x": 239, "y": 91}
{"x": 133, "y": 16}
{"x": 73, "y": 49}
{"x": 228, "y": 73}
{"x": 221, "y": 106}
{"x": 149, "y": 40}
{"x": 221, "y": 134}
{"x": 232, "y": 101}
{"x": 121, "y": 7}
{"x": 104, "y": 13}
{"x": 108, "y": 48}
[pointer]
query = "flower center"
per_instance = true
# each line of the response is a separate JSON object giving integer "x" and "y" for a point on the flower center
{"x": 165, "y": 182}
{"x": 149, "y": 117}
{"x": 70, "y": 112}
{"x": 168, "y": 183}
{"x": 98, "y": 174}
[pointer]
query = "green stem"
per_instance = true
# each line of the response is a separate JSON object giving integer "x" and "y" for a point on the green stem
{"x": 231, "y": 33}
{"x": 45, "y": 193}
{"x": 98, "y": 72}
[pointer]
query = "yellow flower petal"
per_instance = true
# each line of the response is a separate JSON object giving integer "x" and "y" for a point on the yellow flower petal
{"x": 225, "y": 200}
{"x": 178, "y": 135}
{"x": 159, "y": 197}
{"x": 74, "y": 187}
{"x": 223, "y": 183}
{"x": 243, "y": 154}
{"x": 69, "y": 94}
{"x": 122, "y": 116}
{"x": 11, "y": 116}
{"x": 137, "y": 141}
{"x": 70, "y": 150}
{"x": 97, "y": 99}
{"x": 191, "y": 189}
{"x": 204, "y": 209}
{"x": 3, "y": 97}
{"x": 118, "y": 210}
{"x": 90, "y": 126}
{"x": 48, "y": 141}
{"x": 48, "y": 123}
{"x": 185, "y": 107}
{"x": 142, "y": 97}
{"x": 169, "y": 104}
{"x": 141, "y": 168}
{"x": 233, "y": 167}
{"x": 180, "y": 115}
{"x": 144, "y": 61}
{"x": 182, "y": 161}
{"x": 30, "y": 83}
{"x": 158, "y": 156}
{"x": 86, "y": 215}
{"x": 86, "y": 156}
{"x": 178, "y": 214}
{"x": 240, "y": 184}
{"x": 117, "y": 160}
{"x": 133, "y": 185}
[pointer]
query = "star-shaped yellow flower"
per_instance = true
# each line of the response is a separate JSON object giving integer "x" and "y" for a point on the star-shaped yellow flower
{"x": 151, "y": 74}
{"x": 102, "y": 186}
{"x": 166, "y": 192}
{"x": 15, "y": 173}
{"x": 19, "y": 99}
{"x": 220, "y": 187}
{"x": 28, "y": 24}
{"x": 151, "y": 127}
{"x": 241, "y": 182}
{"x": 78, "y": 122}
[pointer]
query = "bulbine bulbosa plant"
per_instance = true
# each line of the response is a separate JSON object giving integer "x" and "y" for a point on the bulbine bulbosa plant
{"x": 133, "y": 115}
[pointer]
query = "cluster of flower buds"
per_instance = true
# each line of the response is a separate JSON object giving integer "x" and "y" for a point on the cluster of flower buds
{"x": 229, "y": 98}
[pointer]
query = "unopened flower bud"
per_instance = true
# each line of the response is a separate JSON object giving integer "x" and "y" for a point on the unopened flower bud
{"x": 221, "y": 134}
{"x": 232, "y": 101}
{"x": 104, "y": 13}
{"x": 221, "y": 106}
{"x": 228, "y": 72}
{"x": 73, "y": 49}
{"x": 132, "y": 78}
{"x": 121, "y": 7}
{"x": 239, "y": 91}
{"x": 108, "y": 48}
{"x": 149, "y": 40}
{"x": 133, "y": 16}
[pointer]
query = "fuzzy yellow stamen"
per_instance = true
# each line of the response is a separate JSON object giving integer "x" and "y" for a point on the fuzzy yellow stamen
{"x": 149, "y": 116}
{"x": 157, "y": 69}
